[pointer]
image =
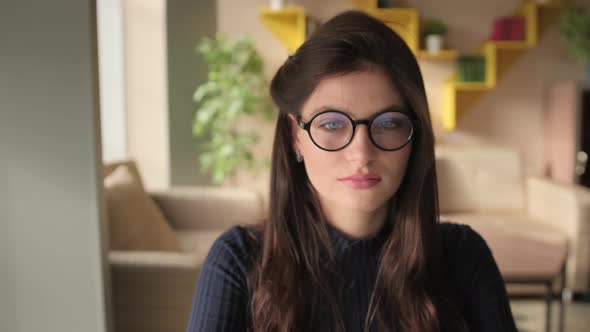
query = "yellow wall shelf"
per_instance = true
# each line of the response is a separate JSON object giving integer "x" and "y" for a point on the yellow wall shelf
{"x": 442, "y": 55}
{"x": 365, "y": 5}
{"x": 499, "y": 57}
{"x": 406, "y": 22}
{"x": 287, "y": 24}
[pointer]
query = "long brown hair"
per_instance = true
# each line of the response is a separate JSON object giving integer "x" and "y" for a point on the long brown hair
{"x": 291, "y": 282}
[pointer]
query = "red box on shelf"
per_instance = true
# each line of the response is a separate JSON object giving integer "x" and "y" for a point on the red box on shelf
{"x": 508, "y": 28}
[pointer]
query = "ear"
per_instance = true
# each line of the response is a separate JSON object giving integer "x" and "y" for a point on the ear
{"x": 294, "y": 131}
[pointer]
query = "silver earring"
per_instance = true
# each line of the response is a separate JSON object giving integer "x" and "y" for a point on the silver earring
{"x": 299, "y": 156}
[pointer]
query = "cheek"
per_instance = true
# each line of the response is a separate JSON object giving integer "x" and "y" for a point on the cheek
{"x": 319, "y": 165}
{"x": 317, "y": 162}
{"x": 304, "y": 144}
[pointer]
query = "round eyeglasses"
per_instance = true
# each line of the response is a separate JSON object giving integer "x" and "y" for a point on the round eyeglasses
{"x": 334, "y": 130}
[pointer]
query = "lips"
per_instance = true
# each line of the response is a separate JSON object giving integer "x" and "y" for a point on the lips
{"x": 361, "y": 181}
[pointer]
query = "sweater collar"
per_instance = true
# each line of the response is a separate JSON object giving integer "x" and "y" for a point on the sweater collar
{"x": 371, "y": 243}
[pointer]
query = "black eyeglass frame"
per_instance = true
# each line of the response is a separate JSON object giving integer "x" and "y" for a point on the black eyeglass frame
{"x": 307, "y": 127}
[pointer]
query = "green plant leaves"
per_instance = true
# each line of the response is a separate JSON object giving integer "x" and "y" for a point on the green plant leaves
{"x": 236, "y": 87}
{"x": 574, "y": 25}
{"x": 435, "y": 27}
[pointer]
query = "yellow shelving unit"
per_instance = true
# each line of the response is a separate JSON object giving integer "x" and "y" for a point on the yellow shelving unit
{"x": 365, "y": 5}
{"x": 287, "y": 24}
{"x": 406, "y": 22}
{"x": 499, "y": 57}
{"x": 442, "y": 55}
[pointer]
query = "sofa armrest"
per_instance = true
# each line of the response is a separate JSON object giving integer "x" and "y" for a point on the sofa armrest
{"x": 563, "y": 206}
{"x": 202, "y": 207}
{"x": 152, "y": 291}
{"x": 566, "y": 207}
{"x": 154, "y": 260}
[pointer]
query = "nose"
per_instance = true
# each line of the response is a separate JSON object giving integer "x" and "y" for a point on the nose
{"x": 361, "y": 150}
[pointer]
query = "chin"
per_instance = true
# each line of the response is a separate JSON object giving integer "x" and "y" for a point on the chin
{"x": 363, "y": 204}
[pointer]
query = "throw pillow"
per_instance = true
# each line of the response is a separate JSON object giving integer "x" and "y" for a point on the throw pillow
{"x": 135, "y": 221}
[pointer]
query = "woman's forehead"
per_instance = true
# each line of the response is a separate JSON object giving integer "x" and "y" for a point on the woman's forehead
{"x": 359, "y": 94}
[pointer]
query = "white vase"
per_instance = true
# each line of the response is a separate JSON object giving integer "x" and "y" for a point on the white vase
{"x": 434, "y": 43}
{"x": 277, "y": 4}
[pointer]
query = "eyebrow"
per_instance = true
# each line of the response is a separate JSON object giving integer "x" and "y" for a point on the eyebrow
{"x": 390, "y": 108}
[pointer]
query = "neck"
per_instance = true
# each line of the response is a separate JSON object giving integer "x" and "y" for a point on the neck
{"x": 355, "y": 224}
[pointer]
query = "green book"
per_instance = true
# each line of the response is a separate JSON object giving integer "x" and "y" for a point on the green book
{"x": 471, "y": 68}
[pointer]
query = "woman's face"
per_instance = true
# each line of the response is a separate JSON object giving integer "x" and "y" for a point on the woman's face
{"x": 376, "y": 173}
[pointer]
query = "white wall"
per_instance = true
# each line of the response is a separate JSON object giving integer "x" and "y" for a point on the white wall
{"x": 146, "y": 87}
{"x": 112, "y": 80}
{"x": 161, "y": 73}
{"x": 52, "y": 272}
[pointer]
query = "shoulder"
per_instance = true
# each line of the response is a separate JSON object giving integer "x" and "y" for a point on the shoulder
{"x": 459, "y": 237}
{"x": 221, "y": 296}
{"x": 467, "y": 255}
{"x": 464, "y": 250}
{"x": 474, "y": 279}
{"x": 235, "y": 249}
{"x": 240, "y": 239}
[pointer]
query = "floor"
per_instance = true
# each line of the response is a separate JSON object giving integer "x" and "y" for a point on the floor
{"x": 530, "y": 316}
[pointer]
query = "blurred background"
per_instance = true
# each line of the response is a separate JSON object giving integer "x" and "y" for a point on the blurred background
{"x": 134, "y": 132}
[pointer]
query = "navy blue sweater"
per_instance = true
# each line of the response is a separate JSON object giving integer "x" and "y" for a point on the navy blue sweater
{"x": 477, "y": 288}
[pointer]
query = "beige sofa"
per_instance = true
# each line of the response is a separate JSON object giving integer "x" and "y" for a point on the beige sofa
{"x": 153, "y": 291}
{"x": 483, "y": 187}
{"x": 527, "y": 221}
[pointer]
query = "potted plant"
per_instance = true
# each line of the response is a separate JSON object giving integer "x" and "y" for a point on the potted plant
{"x": 574, "y": 25}
{"x": 434, "y": 32}
{"x": 236, "y": 88}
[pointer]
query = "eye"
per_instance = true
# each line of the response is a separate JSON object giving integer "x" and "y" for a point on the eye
{"x": 332, "y": 124}
{"x": 386, "y": 124}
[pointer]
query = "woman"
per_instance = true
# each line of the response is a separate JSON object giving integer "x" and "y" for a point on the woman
{"x": 352, "y": 241}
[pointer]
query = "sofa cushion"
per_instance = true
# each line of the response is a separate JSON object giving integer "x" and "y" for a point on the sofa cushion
{"x": 198, "y": 242}
{"x": 135, "y": 222}
{"x": 475, "y": 178}
{"x": 524, "y": 249}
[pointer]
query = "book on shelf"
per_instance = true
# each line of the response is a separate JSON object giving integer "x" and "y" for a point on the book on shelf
{"x": 471, "y": 68}
{"x": 508, "y": 28}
